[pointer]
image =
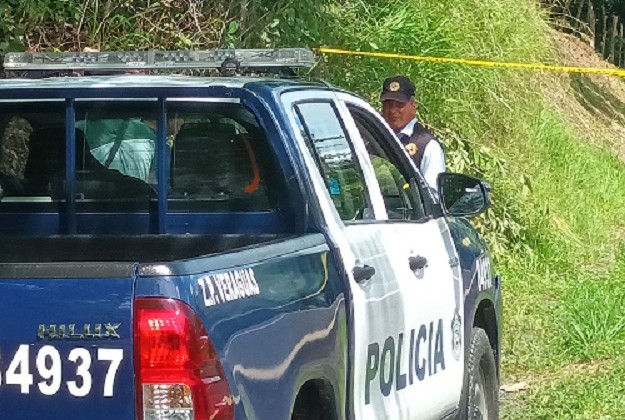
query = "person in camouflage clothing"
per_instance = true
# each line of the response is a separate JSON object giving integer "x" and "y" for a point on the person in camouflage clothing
{"x": 14, "y": 150}
{"x": 14, "y": 147}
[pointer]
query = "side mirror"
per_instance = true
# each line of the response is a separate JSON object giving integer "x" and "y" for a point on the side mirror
{"x": 462, "y": 195}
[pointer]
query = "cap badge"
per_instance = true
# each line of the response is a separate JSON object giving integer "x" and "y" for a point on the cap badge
{"x": 394, "y": 86}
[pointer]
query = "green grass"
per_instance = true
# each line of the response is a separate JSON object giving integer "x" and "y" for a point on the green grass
{"x": 584, "y": 391}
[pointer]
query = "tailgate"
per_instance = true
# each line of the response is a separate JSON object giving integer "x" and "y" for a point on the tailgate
{"x": 65, "y": 341}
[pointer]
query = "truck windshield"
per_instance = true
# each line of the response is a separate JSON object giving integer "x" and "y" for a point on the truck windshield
{"x": 104, "y": 176}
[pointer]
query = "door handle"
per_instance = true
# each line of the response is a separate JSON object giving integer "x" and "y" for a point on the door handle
{"x": 362, "y": 273}
{"x": 417, "y": 263}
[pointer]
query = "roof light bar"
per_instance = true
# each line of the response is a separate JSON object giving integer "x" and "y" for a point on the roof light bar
{"x": 205, "y": 59}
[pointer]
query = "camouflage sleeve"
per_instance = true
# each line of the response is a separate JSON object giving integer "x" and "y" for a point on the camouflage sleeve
{"x": 14, "y": 147}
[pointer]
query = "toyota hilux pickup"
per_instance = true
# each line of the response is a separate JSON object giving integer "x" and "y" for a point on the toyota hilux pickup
{"x": 238, "y": 243}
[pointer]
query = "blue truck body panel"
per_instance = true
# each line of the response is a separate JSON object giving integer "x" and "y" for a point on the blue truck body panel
{"x": 139, "y": 223}
{"x": 29, "y": 303}
{"x": 292, "y": 331}
{"x": 471, "y": 247}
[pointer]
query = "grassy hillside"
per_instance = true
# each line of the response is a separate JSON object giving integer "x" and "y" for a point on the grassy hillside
{"x": 552, "y": 146}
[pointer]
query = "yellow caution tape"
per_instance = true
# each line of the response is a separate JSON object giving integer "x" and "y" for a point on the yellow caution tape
{"x": 479, "y": 63}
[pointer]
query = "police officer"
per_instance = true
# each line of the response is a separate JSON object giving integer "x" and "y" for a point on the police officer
{"x": 399, "y": 110}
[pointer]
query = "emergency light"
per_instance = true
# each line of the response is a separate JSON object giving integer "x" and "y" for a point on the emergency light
{"x": 147, "y": 60}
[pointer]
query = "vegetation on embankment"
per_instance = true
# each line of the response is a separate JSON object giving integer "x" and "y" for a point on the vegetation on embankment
{"x": 547, "y": 143}
{"x": 558, "y": 216}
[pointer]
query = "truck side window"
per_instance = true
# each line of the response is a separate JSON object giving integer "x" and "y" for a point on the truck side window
{"x": 220, "y": 159}
{"x": 400, "y": 192}
{"x": 328, "y": 143}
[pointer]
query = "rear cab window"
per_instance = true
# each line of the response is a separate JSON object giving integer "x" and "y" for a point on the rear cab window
{"x": 220, "y": 170}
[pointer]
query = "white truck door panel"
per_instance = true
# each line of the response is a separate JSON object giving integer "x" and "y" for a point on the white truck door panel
{"x": 403, "y": 365}
{"x": 426, "y": 348}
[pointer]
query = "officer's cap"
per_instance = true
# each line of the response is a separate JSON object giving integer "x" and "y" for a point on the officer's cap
{"x": 398, "y": 88}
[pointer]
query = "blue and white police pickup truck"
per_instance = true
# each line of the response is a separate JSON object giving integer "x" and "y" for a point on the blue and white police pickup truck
{"x": 229, "y": 247}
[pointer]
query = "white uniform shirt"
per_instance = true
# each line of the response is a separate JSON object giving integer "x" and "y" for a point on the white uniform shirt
{"x": 433, "y": 162}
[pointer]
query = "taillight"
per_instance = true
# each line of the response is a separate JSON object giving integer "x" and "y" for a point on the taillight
{"x": 178, "y": 373}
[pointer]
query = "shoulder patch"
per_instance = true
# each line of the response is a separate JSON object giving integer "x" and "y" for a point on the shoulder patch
{"x": 412, "y": 149}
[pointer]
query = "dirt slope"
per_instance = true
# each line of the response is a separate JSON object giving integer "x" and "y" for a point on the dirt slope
{"x": 593, "y": 104}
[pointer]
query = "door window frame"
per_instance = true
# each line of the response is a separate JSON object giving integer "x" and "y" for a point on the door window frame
{"x": 356, "y": 158}
{"x": 402, "y": 161}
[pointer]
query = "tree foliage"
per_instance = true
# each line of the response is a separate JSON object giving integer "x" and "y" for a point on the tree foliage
{"x": 142, "y": 24}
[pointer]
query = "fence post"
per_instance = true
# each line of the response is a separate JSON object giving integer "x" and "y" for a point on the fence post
{"x": 578, "y": 17}
{"x": 592, "y": 24}
{"x": 621, "y": 60}
{"x": 613, "y": 37}
{"x": 618, "y": 43}
{"x": 604, "y": 31}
